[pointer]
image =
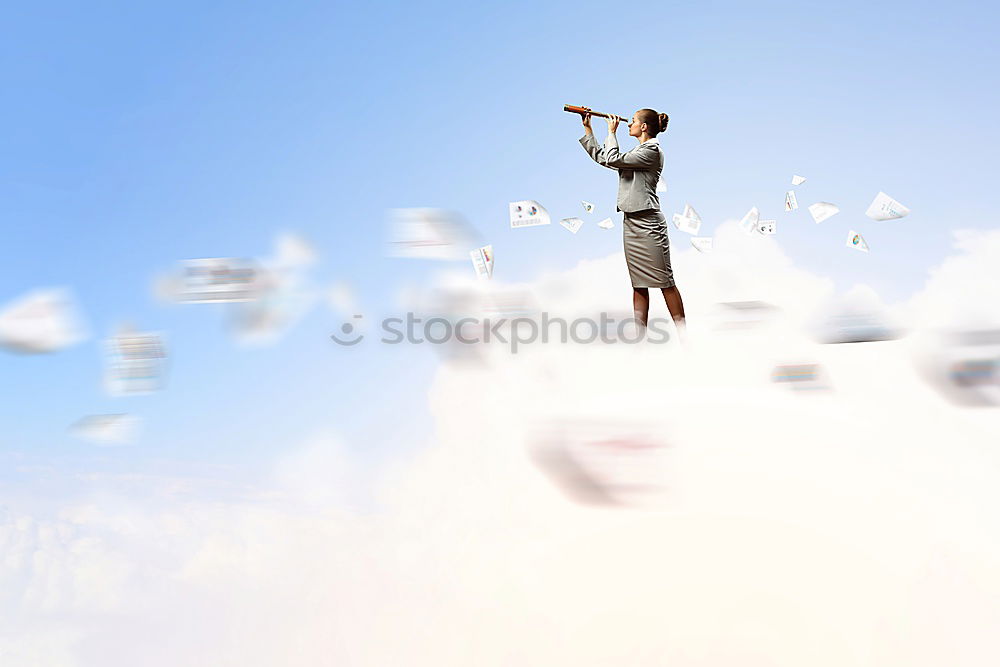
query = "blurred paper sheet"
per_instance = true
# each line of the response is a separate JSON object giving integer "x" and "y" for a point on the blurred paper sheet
{"x": 606, "y": 224}
{"x": 528, "y": 213}
{"x": 661, "y": 186}
{"x": 266, "y": 319}
{"x": 686, "y": 224}
{"x": 822, "y": 210}
{"x": 40, "y": 321}
{"x": 767, "y": 227}
{"x": 689, "y": 221}
{"x": 884, "y": 207}
{"x": 702, "y": 243}
{"x": 215, "y": 280}
{"x": 856, "y": 241}
{"x": 116, "y": 429}
{"x": 749, "y": 222}
{"x": 790, "y": 202}
{"x": 482, "y": 262}
{"x": 798, "y": 180}
{"x": 135, "y": 363}
{"x": 801, "y": 377}
{"x": 429, "y": 233}
{"x": 588, "y": 207}
{"x": 691, "y": 214}
{"x": 572, "y": 224}
{"x": 603, "y": 462}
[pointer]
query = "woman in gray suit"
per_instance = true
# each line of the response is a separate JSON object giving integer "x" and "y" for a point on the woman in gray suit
{"x": 647, "y": 247}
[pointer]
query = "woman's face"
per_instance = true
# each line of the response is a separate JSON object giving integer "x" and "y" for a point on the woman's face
{"x": 635, "y": 127}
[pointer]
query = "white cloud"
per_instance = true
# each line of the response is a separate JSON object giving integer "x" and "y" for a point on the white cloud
{"x": 796, "y": 528}
{"x": 964, "y": 290}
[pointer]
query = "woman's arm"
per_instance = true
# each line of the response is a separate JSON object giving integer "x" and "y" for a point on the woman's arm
{"x": 643, "y": 157}
{"x": 590, "y": 143}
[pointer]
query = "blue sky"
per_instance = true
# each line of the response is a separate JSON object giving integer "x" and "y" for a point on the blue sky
{"x": 138, "y": 135}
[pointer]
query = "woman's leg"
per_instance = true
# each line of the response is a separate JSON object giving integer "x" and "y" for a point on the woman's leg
{"x": 640, "y": 304}
{"x": 676, "y": 307}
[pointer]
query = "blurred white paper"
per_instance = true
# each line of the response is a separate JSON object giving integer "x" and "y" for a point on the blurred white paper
{"x": 482, "y": 261}
{"x": 117, "y": 429}
{"x": 606, "y": 224}
{"x": 767, "y": 227}
{"x": 822, "y": 210}
{"x": 884, "y": 207}
{"x": 283, "y": 299}
{"x": 702, "y": 243}
{"x": 600, "y": 461}
{"x": 588, "y": 207}
{"x": 790, "y": 203}
{"x": 135, "y": 363}
{"x": 856, "y": 241}
{"x": 798, "y": 180}
{"x": 215, "y": 280}
{"x": 689, "y": 221}
{"x": 265, "y": 320}
{"x": 429, "y": 233}
{"x": 572, "y": 224}
{"x": 686, "y": 224}
{"x": 749, "y": 222}
{"x": 661, "y": 186}
{"x": 40, "y": 321}
{"x": 691, "y": 214}
{"x": 528, "y": 213}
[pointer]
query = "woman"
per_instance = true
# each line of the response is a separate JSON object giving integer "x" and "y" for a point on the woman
{"x": 647, "y": 248}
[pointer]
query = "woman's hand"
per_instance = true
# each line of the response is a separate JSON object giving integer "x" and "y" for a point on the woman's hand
{"x": 586, "y": 123}
{"x": 613, "y": 124}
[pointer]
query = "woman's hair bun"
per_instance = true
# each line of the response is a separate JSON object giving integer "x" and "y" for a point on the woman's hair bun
{"x": 664, "y": 119}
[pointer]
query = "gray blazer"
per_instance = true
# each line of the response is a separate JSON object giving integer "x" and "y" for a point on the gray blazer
{"x": 638, "y": 170}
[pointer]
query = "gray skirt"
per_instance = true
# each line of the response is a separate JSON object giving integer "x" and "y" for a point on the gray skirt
{"x": 647, "y": 249}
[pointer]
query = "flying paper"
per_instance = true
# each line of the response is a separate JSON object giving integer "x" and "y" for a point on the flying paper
{"x": 790, "y": 203}
{"x": 822, "y": 210}
{"x": 606, "y": 224}
{"x": 661, "y": 186}
{"x": 600, "y": 461}
{"x": 692, "y": 214}
{"x": 767, "y": 227}
{"x": 964, "y": 364}
{"x": 588, "y": 207}
{"x": 286, "y": 296}
{"x": 216, "y": 280}
{"x": 572, "y": 224}
{"x": 40, "y": 321}
{"x": 798, "y": 180}
{"x": 117, "y": 429}
{"x": 686, "y": 224}
{"x": 884, "y": 207}
{"x": 482, "y": 261}
{"x": 135, "y": 363}
{"x": 528, "y": 213}
{"x": 855, "y": 240}
{"x": 801, "y": 377}
{"x": 702, "y": 243}
{"x": 429, "y": 233}
{"x": 689, "y": 221}
{"x": 749, "y": 222}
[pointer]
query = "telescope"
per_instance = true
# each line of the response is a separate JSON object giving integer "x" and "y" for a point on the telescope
{"x": 585, "y": 110}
